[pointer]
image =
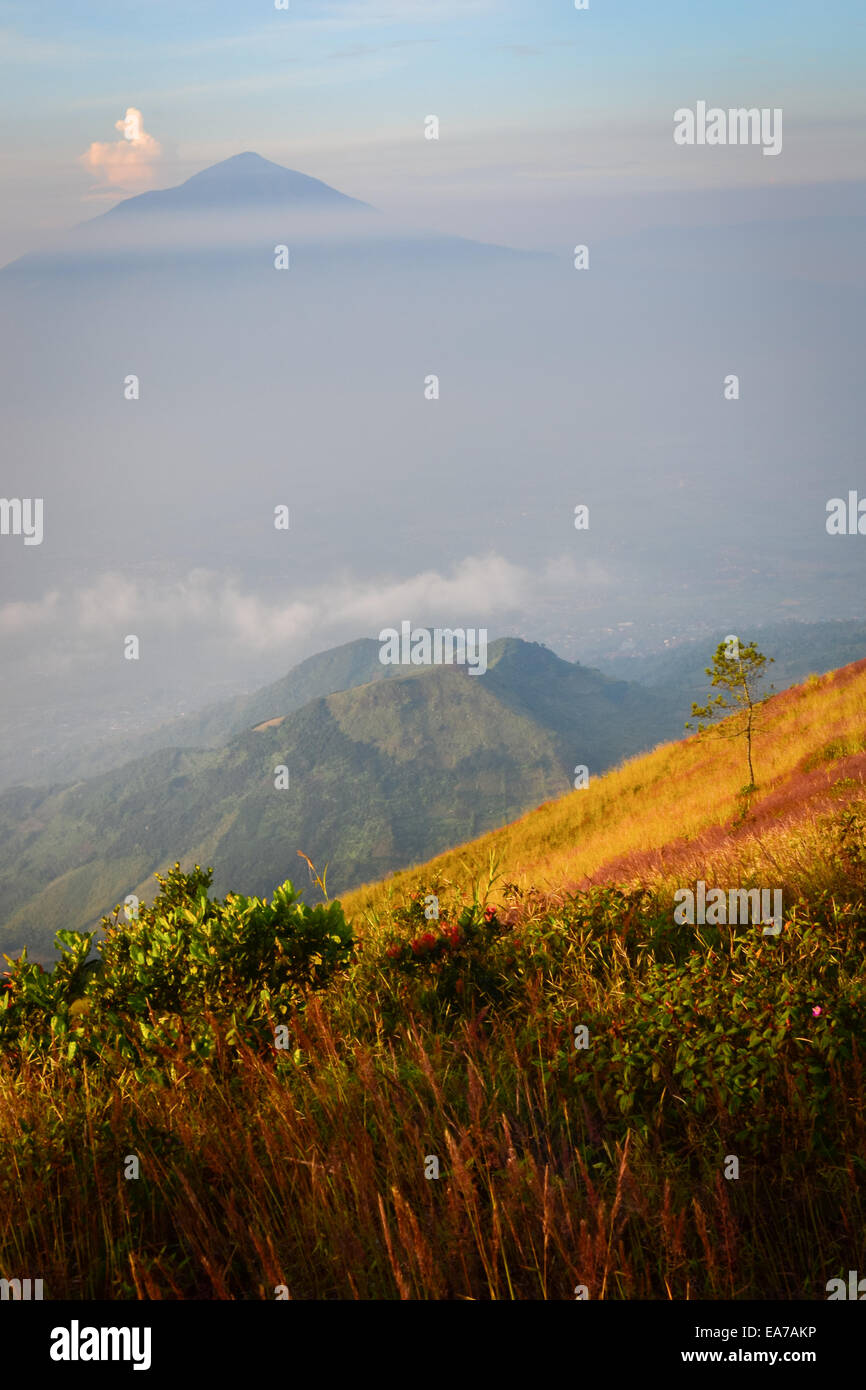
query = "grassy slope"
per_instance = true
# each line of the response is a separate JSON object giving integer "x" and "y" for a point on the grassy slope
{"x": 604, "y": 1168}
{"x": 664, "y": 814}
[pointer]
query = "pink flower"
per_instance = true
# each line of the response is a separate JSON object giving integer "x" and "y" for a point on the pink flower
{"x": 816, "y": 1011}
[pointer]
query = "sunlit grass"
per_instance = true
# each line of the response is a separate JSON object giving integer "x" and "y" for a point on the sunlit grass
{"x": 559, "y": 1169}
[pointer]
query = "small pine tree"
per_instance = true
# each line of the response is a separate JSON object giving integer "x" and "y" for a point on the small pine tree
{"x": 740, "y": 670}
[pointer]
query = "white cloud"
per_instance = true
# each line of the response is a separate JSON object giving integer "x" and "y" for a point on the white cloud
{"x": 25, "y": 618}
{"x": 213, "y": 608}
{"x": 128, "y": 162}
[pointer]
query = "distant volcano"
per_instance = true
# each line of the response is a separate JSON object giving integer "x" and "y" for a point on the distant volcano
{"x": 234, "y": 208}
{"x": 244, "y": 181}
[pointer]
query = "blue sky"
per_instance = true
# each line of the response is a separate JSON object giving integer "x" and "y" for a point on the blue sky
{"x": 534, "y": 97}
{"x": 556, "y": 129}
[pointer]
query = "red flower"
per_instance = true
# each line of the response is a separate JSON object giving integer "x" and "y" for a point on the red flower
{"x": 489, "y": 914}
{"x": 427, "y": 942}
{"x": 394, "y": 951}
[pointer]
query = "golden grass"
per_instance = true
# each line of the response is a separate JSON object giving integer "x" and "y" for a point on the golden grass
{"x": 306, "y": 1169}
{"x": 669, "y": 797}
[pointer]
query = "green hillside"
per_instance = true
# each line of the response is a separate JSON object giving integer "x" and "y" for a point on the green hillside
{"x": 340, "y": 668}
{"x": 675, "y": 674}
{"x": 381, "y": 776}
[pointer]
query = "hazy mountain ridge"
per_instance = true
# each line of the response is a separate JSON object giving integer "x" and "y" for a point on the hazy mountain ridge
{"x": 798, "y": 649}
{"x": 242, "y": 177}
{"x": 324, "y": 673}
{"x": 381, "y": 774}
{"x": 677, "y": 675}
{"x": 227, "y": 215}
{"x": 208, "y": 727}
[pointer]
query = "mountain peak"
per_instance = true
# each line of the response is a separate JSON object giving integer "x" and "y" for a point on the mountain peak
{"x": 247, "y": 155}
{"x": 509, "y": 653}
{"x": 242, "y": 166}
{"x": 245, "y": 182}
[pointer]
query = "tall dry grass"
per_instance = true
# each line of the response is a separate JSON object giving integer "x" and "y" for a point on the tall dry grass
{"x": 558, "y": 1170}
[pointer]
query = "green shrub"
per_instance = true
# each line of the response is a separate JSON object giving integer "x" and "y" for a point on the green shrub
{"x": 243, "y": 960}
{"x": 448, "y": 964}
{"x": 743, "y": 1033}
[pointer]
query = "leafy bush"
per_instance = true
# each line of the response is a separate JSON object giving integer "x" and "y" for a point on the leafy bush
{"x": 243, "y": 960}
{"x": 749, "y": 1031}
{"x": 850, "y": 847}
{"x": 699, "y": 1044}
{"x": 447, "y": 963}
